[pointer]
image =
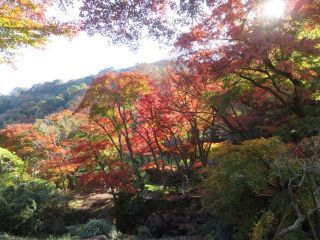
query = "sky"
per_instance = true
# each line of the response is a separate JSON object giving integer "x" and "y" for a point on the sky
{"x": 65, "y": 59}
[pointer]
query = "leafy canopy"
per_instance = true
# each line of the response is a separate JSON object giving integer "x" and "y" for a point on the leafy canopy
{"x": 25, "y": 23}
{"x": 12, "y": 168}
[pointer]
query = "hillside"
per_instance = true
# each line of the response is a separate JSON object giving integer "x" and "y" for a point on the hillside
{"x": 27, "y": 105}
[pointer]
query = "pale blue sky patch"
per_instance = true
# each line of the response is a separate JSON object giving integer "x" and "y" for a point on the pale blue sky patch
{"x": 66, "y": 59}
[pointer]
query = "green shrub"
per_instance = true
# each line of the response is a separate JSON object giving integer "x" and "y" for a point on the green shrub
{"x": 297, "y": 128}
{"x": 9, "y": 162}
{"x": 130, "y": 211}
{"x": 21, "y": 206}
{"x": 12, "y": 169}
{"x": 98, "y": 227}
{"x": 211, "y": 229}
{"x": 263, "y": 227}
{"x": 156, "y": 176}
{"x": 175, "y": 182}
{"x": 241, "y": 181}
{"x": 256, "y": 188}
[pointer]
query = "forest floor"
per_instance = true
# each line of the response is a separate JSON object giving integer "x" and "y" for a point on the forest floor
{"x": 87, "y": 200}
{"x": 89, "y": 206}
{"x": 96, "y": 205}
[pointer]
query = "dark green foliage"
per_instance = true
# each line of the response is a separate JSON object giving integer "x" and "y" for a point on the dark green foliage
{"x": 40, "y": 100}
{"x": 9, "y": 162}
{"x": 98, "y": 227}
{"x": 239, "y": 184}
{"x": 297, "y": 129}
{"x": 180, "y": 181}
{"x": 12, "y": 169}
{"x": 212, "y": 229}
{"x": 155, "y": 176}
{"x": 258, "y": 187}
{"x": 21, "y": 206}
{"x": 130, "y": 211}
{"x": 175, "y": 182}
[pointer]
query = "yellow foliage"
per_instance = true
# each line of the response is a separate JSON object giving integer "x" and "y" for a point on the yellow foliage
{"x": 261, "y": 228}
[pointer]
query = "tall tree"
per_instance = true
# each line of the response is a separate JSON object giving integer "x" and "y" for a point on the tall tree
{"x": 111, "y": 101}
{"x": 228, "y": 38}
{"x": 26, "y": 23}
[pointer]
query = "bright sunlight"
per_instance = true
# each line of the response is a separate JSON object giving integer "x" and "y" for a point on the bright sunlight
{"x": 273, "y": 8}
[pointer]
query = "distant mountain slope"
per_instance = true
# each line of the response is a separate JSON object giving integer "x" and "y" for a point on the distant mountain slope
{"x": 27, "y": 105}
{"x": 40, "y": 100}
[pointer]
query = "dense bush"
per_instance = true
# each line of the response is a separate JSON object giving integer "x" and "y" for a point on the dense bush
{"x": 130, "y": 211}
{"x": 212, "y": 229}
{"x": 21, "y": 206}
{"x": 296, "y": 129}
{"x": 241, "y": 180}
{"x": 156, "y": 176}
{"x": 12, "y": 169}
{"x": 262, "y": 191}
{"x": 176, "y": 182}
{"x": 98, "y": 227}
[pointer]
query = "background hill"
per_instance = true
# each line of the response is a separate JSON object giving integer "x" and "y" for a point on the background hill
{"x": 27, "y": 105}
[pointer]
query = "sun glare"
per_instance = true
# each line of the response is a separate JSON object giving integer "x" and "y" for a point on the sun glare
{"x": 273, "y": 8}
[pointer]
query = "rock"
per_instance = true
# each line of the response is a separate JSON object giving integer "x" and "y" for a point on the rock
{"x": 156, "y": 195}
{"x": 58, "y": 226}
{"x": 184, "y": 228}
{"x": 54, "y": 225}
{"x": 156, "y": 225}
{"x": 167, "y": 217}
{"x": 144, "y": 233}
